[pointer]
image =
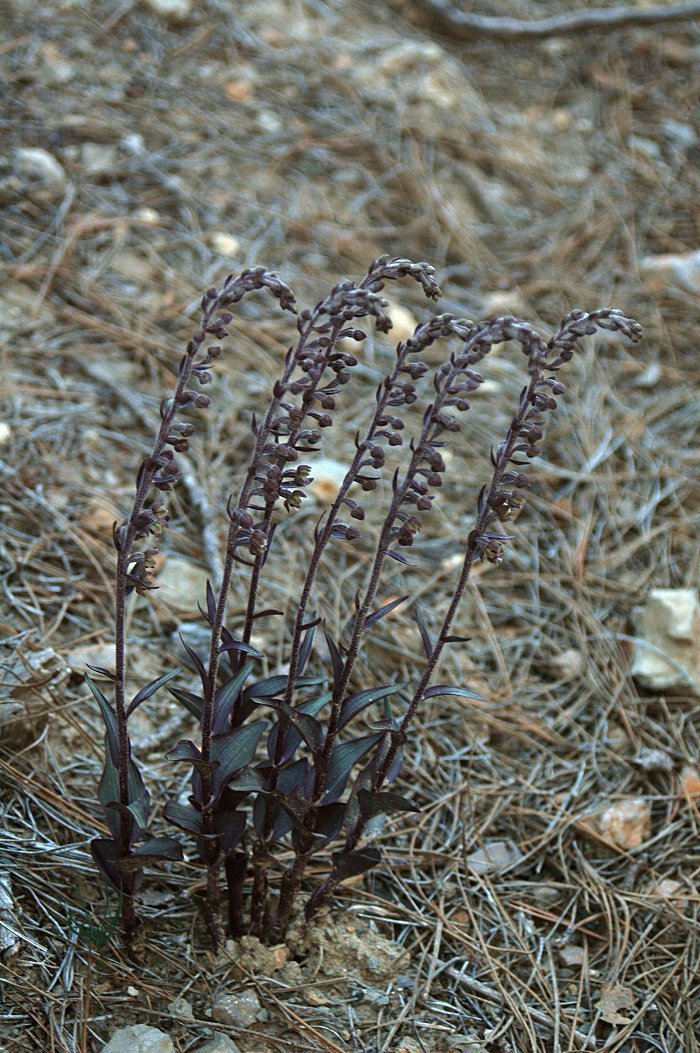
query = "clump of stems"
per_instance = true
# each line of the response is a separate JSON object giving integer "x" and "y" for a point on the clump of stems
{"x": 246, "y": 806}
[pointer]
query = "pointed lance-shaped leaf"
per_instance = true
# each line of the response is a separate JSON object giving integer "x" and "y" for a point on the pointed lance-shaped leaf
{"x": 399, "y": 557}
{"x": 150, "y": 689}
{"x": 375, "y": 616}
{"x": 336, "y": 660}
{"x": 184, "y": 817}
{"x": 109, "y": 717}
{"x": 107, "y": 854}
{"x": 329, "y": 820}
{"x": 448, "y": 689}
{"x": 342, "y": 760}
{"x": 377, "y": 803}
{"x": 308, "y": 727}
{"x": 350, "y": 864}
{"x": 194, "y": 704}
{"x": 198, "y": 663}
{"x": 356, "y": 703}
{"x": 428, "y": 644}
{"x": 186, "y": 750}
{"x": 150, "y": 851}
{"x": 226, "y": 696}
{"x": 233, "y": 750}
{"x": 229, "y": 830}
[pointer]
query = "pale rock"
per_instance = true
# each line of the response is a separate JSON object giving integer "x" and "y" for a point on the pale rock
{"x": 147, "y": 215}
{"x": 182, "y": 585}
{"x": 679, "y": 269}
{"x": 98, "y": 159}
{"x": 493, "y": 857}
{"x": 226, "y": 244}
{"x": 5, "y": 433}
{"x": 327, "y": 477}
{"x": 175, "y": 11}
{"x": 503, "y": 302}
{"x": 139, "y": 1038}
{"x": 572, "y": 954}
{"x": 649, "y": 759}
{"x": 241, "y": 1009}
{"x": 404, "y": 323}
{"x": 131, "y": 266}
{"x": 218, "y": 1043}
{"x": 567, "y": 665}
{"x": 39, "y": 164}
{"x": 180, "y": 1009}
{"x": 668, "y": 889}
{"x": 626, "y": 823}
{"x": 666, "y": 655}
{"x": 9, "y": 943}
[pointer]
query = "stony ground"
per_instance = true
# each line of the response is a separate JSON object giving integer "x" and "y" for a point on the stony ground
{"x": 546, "y": 897}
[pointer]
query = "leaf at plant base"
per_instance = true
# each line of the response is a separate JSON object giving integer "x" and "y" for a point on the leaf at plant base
{"x": 109, "y": 717}
{"x": 343, "y": 758}
{"x": 293, "y": 738}
{"x": 107, "y": 854}
{"x": 137, "y": 806}
{"x": 194, "y": 704}
{"x": 449, "y": 689}
{"x": 150, "y": 689}
{"x": 151, "y": 851}
{"x": 378, "y": 803}
{"x": 226, "y": 695}
{"x": 229, "y": 829}
{"x": 350, "y": 864}
{"x": 184, "y": 817}
{"x": 308, "y": 727}
{"x": 329, "y": 820}
{"x": 295, "y": 805}
{"x": 356, "y": 703}
{"x": 233, "y": 750}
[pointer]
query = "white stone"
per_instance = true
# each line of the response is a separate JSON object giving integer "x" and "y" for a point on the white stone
{"x": 39, "y": 164}
{"x": 180, "y": 1009}
{"x": 494, "y": 857}
{"x": 666, "y": 653}
{"x": 98, "y": 159}
{"x": 139, "y": 1038}
{"x": 626, "y": 823}
{"x": 218, "y": 1043}
{"x": 171, "y": 10}
{"x": 182, "y": 585}
{"x": 226, "y": 244}
{"x": 682, "y": 270}
{"x": 328, "y": 476}
{"x": 241, "y": 1009}
{"x": 5, "y": 433}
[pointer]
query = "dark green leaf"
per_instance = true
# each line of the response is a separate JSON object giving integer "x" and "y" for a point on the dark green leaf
{"x": 308, "y": 727}
{"x": 229, "y": 829}
{"x": 198, "y": 663}
{"x": 159, "y": 848}
{"x": 193, "y": 703}
{"x": 343, "y": 758}
{"x": 350, "y": 864}
{"x": 377, "y": 803}
{"x": 448, "y": 689}
{"x": 233, "y": 750}
{"x": 356, "y": 703}
{"x": 336, "y": 660}
{"x": 376, "y": 616}
{"x": 150, "y": 689}
{"x": 109, "y": 717}
{"x": 107, "y": 854}
{"x": 226, "y": 696}
{"x": 183, "y": 816}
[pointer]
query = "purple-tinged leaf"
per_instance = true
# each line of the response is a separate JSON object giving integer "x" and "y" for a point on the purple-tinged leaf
{"x": 275, "y": 685}
{"x": 211, "y": 604}
{"x": 183, "y": 816}
{"x": 375, "y": 616}
{"x": 198, "y": 663}
{"x": 267, "y": 613}
{"x": 399, "y": 558}
{"x": 193, "y": 703}
{"x": 342, "y": 760}
{"x": 226, "y": 696}
{"x": 238, "y": 645}
{"x": 150, "y": 689}
{"x": 233, "y": 750}
{"x": 185, "y": 750}
{"x": 457, "y": 639}
{"x": 107, "y": 854}
{"x": 308, "y": 727}
{"x": 378, "y": 802}
{"x": 295, "y": 805}
{"x": 329, "y": 820}
{"x": 109, "y": 717}
{"x": 336, "y": 660}
{"x": 293, "y": 738}
{"x": 350, "y": 864}
{"x": 248, "y": 781}
{"x": 356, "y": 703}
{"x": 305, "y": 649}
{"x": 109, "y": 674}
{"x": 428, "y": 644}
{"x": 108, "y": 792}
{"x": 150, "y": 851}
{"x": 229, "y": 829}
{"x": 448, "y": 689}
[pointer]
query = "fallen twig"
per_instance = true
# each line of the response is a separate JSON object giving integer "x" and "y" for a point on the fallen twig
{"x": 465, "y": 26}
